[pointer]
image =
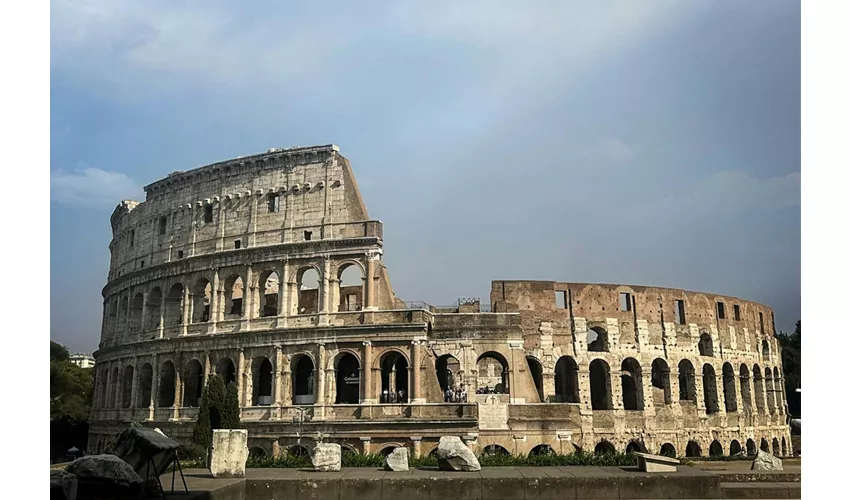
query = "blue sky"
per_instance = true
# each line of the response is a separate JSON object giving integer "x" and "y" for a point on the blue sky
{"x": 653, "y": 142}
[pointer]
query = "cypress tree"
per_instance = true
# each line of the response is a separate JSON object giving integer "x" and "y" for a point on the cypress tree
{"x": 212, "y": 403}
{"x": 230, "y": 409}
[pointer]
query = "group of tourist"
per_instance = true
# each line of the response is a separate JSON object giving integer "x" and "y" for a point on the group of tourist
{"x": 499, "y": 389}
{"x": 398, "y": 396}
{"x": 455, "y": 395}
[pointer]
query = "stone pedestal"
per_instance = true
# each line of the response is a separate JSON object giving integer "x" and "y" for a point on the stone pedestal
{"x": 656, "y": 463}
{"x": 229, "y": 452}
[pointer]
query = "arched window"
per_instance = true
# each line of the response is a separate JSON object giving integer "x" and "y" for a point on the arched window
{"x": 706, "y": 346}
{"x": 233, "y": 297}
{"x": 226, "y": 370}
{"x": 735, "y": 448}
{"x": 600, "y": 385}
{"x": 112, "y": 319}
{"x": 154, "y": 309}
{"x": 709, "y": 389}
{"x": 256, "y": 452}
{"x": 604, "y": 447}
{"x": 768, "y": 378}
{"x": 145, "y": 386}
{"x": 779, "y": 390}
{"x": 136, "y": 312}
{"x": 493, "y": 373}
{"x": 776, "y": 450}
{"x": 635, "y": 446}
{"x": 351, "y": 284}
{"x": 201, "y": 293}
{"x": 542, "y": 449}
{"x": 166, "y": 385}
{"x": 661, "y": 382}
{"x": 347, "y": 379}
{"x": 113, "y": 397}
{"x": 751, "y": 447}
{"x": 174, "y": 305}
{"x": 261, "y": 378}
{"x": 302, "y": 376}
{"x": 746, "y": 399}
{"x": 127, "y": 387}
{"x": 784, "y": 448}
{"x": 536, "y": 371}
{"x": 193, "y": 383}
{"x": 693, "y": 449}
{"x": 668, "y": 450}
{"x": 729, "y": 396}
{"x": 632, "y": 385}
{"x": 269, "y": 291}
{"x": 765, "y": 447}
{"x": 566, "y": 380}
{"x": 715, "y": 449}
{"x": 493, "y": 450}
{"x": 597, "y": 339}
{"x": 298, "y": 451}
{"x": 687, "y": 381}
{"x": 448, "y": 368}
{"x": 765, "y": 349}
{"x": 394, "y": 386}
{"x": 122, "y": 316}
{"x": 758, "y": 382}
{"x": 308, "y": 291}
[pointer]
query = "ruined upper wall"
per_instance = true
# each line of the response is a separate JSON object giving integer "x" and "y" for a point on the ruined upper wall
{"x": 279, "y": 196}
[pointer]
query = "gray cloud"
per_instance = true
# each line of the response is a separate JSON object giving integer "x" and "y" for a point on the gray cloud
{"x": 93, "y": 188}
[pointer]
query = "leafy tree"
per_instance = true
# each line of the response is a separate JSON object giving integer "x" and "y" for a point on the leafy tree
{"x": 219, "y": 410}
{"x": 230, "y": 411}
{"x": 791, "y": 366}
{"x": 71, "y": 389}
{"x": 58, "y": 352}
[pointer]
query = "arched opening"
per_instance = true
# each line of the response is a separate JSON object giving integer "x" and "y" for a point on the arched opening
{"x": 201, "y": 293}
{"x": 493, "y": 450}
{"x": 136, "y": 309}
{"x": 715, "y": 449}
{"x": 350, "y": 288}
{"x": 386, "y": 450}
{"x": 145, "y": 386}
{"x": 113, "y": 397}
{"x": 347, "y": 379}
{"x": 154, "y": 308}
{"x": 298, "y": 451}
{"x": 536, "y": 371}
{"x": 597, "y": 339}
{"x": 166, "y": 385}
{"x": 122, "y": 316}
{"x": 302, "y": 375}
{"x": 634, "y": 446}
{"x": 261, "y": 380}
{"x": 269, "y": 290}
{"x": 308, "y": 291}
{"x": 661, "y": 382}
{"x": 174, "y": 305}
{"x": 758, "y": 382}
{"x": 765, "y": 349}
{"x": 706, "y": 346}
{"x": 233, "y": 296}
{"x": 600, "y": 385}
{"x": 768, "y": 379}
{"x": 630, "y": 378}
{"x": 765, "y": 446}
{"x": 193, "y": 384}
{"x": 709, "y": 389}
{"x": 566, "y": 380}
{"x": 668, "y": 450}
{"x": 779, "y": 390}
{"x": 776, "y": 450}
{"x": 604, "y": 447}
{"x": 784, "y": 448}
{"x": 751, "y": 447}
{"x": 112, "y": 319}
{"x": 693, "y": 449}
{"x": 226, "y": 370}
{"x": 492, "y": 374}
{"x": 127, "y": 387}
{"x": 448, "y": 368}
{"x": 735, "y": 448}
{"x": 729, "y": 396}
{"x": 687, "y": 381}
{"x": 746, "y": 399}
{"x": 542, "y": 449}
{"x": 394, "y": 388}
{"x": 256, "y": 452}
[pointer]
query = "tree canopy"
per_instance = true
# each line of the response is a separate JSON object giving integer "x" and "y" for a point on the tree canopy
{"x": 71, "y": 390}
{"x": 790, "y": 343}
{"x": 219, "y": 410}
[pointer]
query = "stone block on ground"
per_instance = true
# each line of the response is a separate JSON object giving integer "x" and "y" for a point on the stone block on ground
{"x": 454, "y": 455}
{"x": 229, "y": 452}
{"x": 656, "y": 463}
{"x": 105, "y": 476}
{"x": 397, "y": 460}
{"x": 63, "y": 485}
{"x": 766, "y": 461}
{"x": 326, "y": 457}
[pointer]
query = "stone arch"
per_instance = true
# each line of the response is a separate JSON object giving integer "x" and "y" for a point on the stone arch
{"x": 709, "y": 389}
{"x": 347, "y": 368}
{"x": 776, "y": 450}
{"x": 493, "y": 373}
{"x": 542, "y": 449}
{"x": 715, "y": 449}
{"x": 536, "y": 371}
{"x": 394, "y": 377}
{"x": 303, "y": 384}
{"x": 166, "y": 385}
{"x": 123, "y": 309}
{"x": 113, "y": 397}
{"x": 201, "y": 295}
{"x": 632, "y": 384}
{"x": 234, "y": 296}
{"x": 597, "y": 339}
{"x": 706, "y": 346}
{"x": 600, "y": 385}
{"x": 448, "y": 369}
{"x": 751, "y": 447}
{"x": 495, "y": 450}
{"x": 136, "y": 309}
{"x": 261, "y": 381}
{"x": 193, "y": 383}
{"x": 127, "y": 387}
{"x": 635, "y": 445}
{"x": 270, "y": 285}
{"x": 298, "y": 450}
{"x": 746, "y": 397}
{"x": 758, "y": 382}
{"x": 174, "y": 305}
{"x": 566, "y": 380}
{"x": 693, "y": 449}
{"x": 661, "y": 382}
{"x": 256, "y": 452}
{"x": 730, "y": 398}
{"x": 764, "y": 446}
{"x": 668, "y": 450}
{"x": 308, "y": 284}
{"x": 112, "y": 319}
{"x": 386, "y": 450}
{"x": 779, "y": 389}
{"x": 735, "y": 448}
{"x": 765, "y": 349}
{"x": 154, "y": 308}
{"x": 687, "y": 381}
{"x": 145, "y": 386}
{"x": 604, "y": 447}
{"x": 352, "y": 281}
{"x": 784, "y": 448}
{"x": 226, "y": 369}
{"x": 770, "y": 389}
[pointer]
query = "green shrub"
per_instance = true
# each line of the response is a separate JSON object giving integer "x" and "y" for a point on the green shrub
{"x": 285, "y": 461}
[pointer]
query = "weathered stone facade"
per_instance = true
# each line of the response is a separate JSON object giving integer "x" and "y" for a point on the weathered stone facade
{"x": 237, "y": 268}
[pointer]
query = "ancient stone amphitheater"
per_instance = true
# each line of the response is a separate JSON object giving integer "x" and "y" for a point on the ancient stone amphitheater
{"x": 267, "y": 271}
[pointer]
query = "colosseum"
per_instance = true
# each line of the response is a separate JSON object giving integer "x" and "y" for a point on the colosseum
{"x": 267, "y": 270}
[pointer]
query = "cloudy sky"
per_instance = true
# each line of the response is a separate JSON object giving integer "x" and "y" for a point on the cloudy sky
{"x": 652, "y": 142}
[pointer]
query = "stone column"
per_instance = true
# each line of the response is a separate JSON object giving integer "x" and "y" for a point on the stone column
{"x": 367, "y": 445}
{"x": 417, "y": 446}
{"x": 415, "y": 372}
{"x": 240, "y": 379}
{"x": 248, "y": 289}
{"x": 366, "y": 370}
{"x": 134, "y": 383}
{"x": 207, "y": 367}
{"x": 154, "y": 386}
{"x": 187, "y": 304}
{"x": 283, "y": 293}
{"x": 178, "y": 385}
{"x": 320, "y": 375}
{"x": 278, "y": 375}
{"x": 214, "y": 302}
{"x": 369, "y": 299}
{"x": 287, "y": 384}
{"x": 325, "y": 292}
{"x": 161, "y": 326}
{"x": 144, "y": 318}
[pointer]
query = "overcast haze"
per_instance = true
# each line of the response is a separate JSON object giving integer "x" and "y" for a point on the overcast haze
{"x": 651, "y": 143}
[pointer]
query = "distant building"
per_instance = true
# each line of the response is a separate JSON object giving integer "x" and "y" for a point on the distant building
{"x": 82, "y": 360}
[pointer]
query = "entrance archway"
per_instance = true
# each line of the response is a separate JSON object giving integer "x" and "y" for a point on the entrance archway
{"x": 347, "y": 379}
